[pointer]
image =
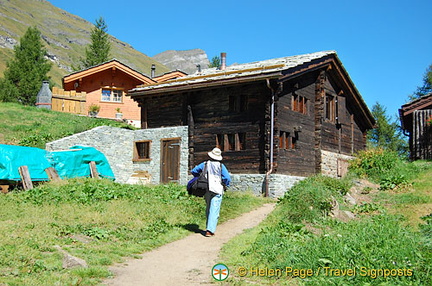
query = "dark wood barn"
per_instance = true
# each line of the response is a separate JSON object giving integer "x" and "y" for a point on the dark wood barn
{"x": 276, "y": 116}
{"x": 416, "y": 119}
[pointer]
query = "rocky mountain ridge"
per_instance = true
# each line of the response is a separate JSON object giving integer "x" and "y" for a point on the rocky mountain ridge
{"x": 185, "y": 61}
{"x": 65, "y": 37}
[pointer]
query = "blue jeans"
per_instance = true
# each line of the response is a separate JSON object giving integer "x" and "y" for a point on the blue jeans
{"x": 213, "y": 205}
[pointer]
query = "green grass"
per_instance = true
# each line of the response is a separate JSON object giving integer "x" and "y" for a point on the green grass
{"x": 383, "y": 246}
{"x": 97, "y": 220}
{"x": 34, "y": 127}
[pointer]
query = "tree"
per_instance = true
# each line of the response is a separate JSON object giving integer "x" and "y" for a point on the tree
{"x": 215, "y": 62}
{"x": 426, "y": 88}
{"x": 25, "y": 72}
{"x": 387, "y": 134}
{"x": 99, "y": 49}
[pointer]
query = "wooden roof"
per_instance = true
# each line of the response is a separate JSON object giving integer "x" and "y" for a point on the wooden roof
{"x": 406, "y": 110}
{"x": 170, "y": 76}
{"x": 112, "y": 64}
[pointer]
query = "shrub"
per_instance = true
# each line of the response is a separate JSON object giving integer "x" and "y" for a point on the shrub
{"x": 384, "y": 167}
{"x": 312, "y": 198}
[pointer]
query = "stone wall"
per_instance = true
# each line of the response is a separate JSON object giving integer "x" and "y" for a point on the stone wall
{"x": 334, "y": 164}
{"x": 278, "y": 185}
{"x": 117, "y": 144}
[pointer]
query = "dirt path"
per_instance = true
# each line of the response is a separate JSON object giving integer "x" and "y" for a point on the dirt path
{"x": 187, "y": 261}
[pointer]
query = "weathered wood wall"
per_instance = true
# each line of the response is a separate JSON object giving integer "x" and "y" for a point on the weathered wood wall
{"x": 341, "y": 134}
{"x": 299, "y": 161}
{"x": 211, "y": 116}
{"x": 421, "y": 138}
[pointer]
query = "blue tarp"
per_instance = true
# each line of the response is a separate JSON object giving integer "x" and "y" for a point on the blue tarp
{"x": 71, "y": 163}
{"x": 12, "y": 157}
{"x": 75, "y": 162}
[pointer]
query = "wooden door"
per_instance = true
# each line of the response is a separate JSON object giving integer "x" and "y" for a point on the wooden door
{"x": 170, "y": 161}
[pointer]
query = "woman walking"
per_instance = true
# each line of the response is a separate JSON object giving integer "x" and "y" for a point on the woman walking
{"x": 218, "y": 178}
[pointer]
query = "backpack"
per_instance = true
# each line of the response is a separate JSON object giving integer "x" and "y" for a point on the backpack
{"x": 198, "y": 186}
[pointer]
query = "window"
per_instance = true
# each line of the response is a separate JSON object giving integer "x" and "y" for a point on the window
{"x": 231, "y": 142}
{"x": 299, "y": 104}
{"x": 141, "y": 150}
{"x": 286, "y": 141}
{"x": 113, "y": 95}
{"x": 330, "y": 108}
{"x": 238, "y": 103}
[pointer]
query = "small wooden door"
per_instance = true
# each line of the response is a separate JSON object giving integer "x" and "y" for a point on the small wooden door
{"x": 170, "y": 161}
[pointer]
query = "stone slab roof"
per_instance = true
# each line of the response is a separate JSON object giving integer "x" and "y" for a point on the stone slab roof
{"x": 239, "y": 71}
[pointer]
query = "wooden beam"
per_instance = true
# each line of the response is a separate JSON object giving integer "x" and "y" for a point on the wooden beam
{"x": 25, "y": 178}
{"x": 93, "y": 170}
{"x": 52, "y": 174}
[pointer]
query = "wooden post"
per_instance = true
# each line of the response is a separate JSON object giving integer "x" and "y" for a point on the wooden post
{"x": 25, "y": 177}
{"x": 93, "y": 170}
{"x": 52, "y": 174}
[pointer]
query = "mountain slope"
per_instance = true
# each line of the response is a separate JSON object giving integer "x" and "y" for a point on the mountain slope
{"x": 65, "y": 36}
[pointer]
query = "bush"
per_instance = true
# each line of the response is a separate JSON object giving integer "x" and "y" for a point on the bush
{"x": 312, "y": 198}
{"x": 383, "y": 167}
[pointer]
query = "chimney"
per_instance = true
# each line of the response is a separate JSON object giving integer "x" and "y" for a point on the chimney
{"x": 153, "y": 70}
{"x": 44, "y": 96}
{"x": 198, "y": 68}
{"x": 223, "y": 61}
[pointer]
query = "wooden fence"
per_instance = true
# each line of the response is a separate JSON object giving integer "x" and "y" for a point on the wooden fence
{"x": 68, "y": 101}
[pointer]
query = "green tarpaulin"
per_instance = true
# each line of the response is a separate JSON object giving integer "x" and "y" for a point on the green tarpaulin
{"x": 70, "y": 163}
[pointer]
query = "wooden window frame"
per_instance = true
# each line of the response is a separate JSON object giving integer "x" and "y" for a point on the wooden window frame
{"x": 112, "y": 95}
{"x": 330, "y": 107}
{"x": 136, "y": 155}
{"x": 286, "y": 141}
{"x": 299, "y": 104}
{"x": 231, "y": 142}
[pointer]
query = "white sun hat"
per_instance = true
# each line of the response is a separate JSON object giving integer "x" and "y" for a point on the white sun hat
{"x": 215, "y": 154}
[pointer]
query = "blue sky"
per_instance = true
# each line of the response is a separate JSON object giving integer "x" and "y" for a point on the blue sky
{"x": 384, "y": 45}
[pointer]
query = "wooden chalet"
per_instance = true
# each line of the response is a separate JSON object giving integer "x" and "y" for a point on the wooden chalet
{"x": 416, "y": 120}
{"x": 105, "y": 85}
{"x": 287, "y": 116}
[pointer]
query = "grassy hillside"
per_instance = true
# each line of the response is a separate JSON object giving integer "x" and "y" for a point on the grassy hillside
{"x": 31, "y": 126}
{"x": 65, "y": 37}
{"x": 300, "y": 243}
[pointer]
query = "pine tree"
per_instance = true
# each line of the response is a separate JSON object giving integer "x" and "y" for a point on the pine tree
{"x": 99, "y": 49}
{"x": 426, "y": 88}
{"x": 26, "y": 71}
{"x": 387, "y": 134}
{"x": 215, "y": 62}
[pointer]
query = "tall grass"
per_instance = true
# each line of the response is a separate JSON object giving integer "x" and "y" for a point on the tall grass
{"x": 377, "y": 248}
{"x": 97, "y": 220}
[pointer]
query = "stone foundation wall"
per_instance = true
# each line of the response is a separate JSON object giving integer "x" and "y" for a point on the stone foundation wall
{"x": 117, "y": 145}
{"x": 334, "y": 164}
{"x": 278, "y": 185}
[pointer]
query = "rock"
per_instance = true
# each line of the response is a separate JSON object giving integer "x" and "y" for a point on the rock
{"x": 349, "y": 199}
{"x": 70, "y": 261}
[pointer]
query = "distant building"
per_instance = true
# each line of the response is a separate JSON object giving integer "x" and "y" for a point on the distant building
{"x": 105, "y": 85}
{"x": 416, "y": 120}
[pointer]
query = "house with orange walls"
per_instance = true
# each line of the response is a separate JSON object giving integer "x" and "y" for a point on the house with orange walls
{"x": 107, "y": 85}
